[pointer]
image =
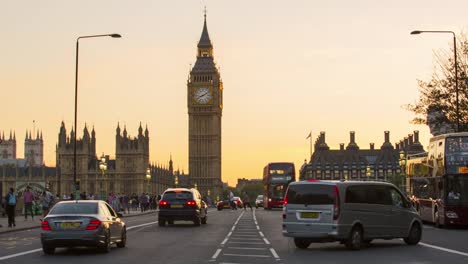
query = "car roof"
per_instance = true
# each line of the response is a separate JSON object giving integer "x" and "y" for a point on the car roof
{"x": 341, "y": 183}
{"x": 79, "y": 201}
{"x": 178, "y": 189}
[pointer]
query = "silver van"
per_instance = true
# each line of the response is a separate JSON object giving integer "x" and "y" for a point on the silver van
{"x": 352, "y": 212}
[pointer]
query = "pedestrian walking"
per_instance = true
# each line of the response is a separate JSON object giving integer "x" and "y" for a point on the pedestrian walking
{"x": 47, "y": 199}
{"x": 247, "y": 202}
{"x": 231, "y": 201}
{"x": 28, "y": 197}
{"x": 10, "y": 200}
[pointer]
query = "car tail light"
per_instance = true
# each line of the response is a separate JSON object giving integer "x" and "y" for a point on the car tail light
{"x": 191, "y": 203}
{"x": 93, "y": 224}
{"x": 45, "y": 226}
{"x": 163, "y": 203}
{"x": 336, "y": 205}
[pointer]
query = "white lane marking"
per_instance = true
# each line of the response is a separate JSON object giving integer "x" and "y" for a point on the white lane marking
{"x": 249, "y": 243}
{"x": 21, "y": 254}
{"x": 40, "y": 249}
{"x": 244, "y": 238}
{"x": 274, "y": 253}
{"x": 249, "y": 248}
{"x": 266, "y": 241}
{"x": 261, "y": 234}
{"x": 224, "y": 241}
{"x": 146, "y": 224}
{"x": 258, "y": 228}
{"x": 216, "y": 253}
{"x": 444, "y": 249}
{"x": 254, "y": 256}
{"x": 237, "y": 235}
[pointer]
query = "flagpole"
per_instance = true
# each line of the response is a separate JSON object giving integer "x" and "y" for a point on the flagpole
{"x": 310, "y": 156}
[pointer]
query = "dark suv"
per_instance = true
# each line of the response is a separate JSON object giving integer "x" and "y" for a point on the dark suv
{"x": 181, "y": 204}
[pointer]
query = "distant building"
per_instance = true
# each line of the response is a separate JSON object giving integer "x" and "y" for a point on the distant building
{"x": 127, "y": 173}
{"x": 7, "y": 147}
{"x": 241, "y": 183}
{"x": 34, "y": 149}
{"x": 353, "y": 163}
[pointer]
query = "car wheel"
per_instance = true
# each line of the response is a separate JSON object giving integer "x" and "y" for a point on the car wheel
{"x": 196, "y": 221}
{"x": 48, "y": 250}
{"x": 203, "y": 220}
{"x": 123, "y": 239}
{"x": 301, "y": 243}
{"x": 414, "y": 235}
{"x": 437, "y": 220}
{"x": 106, "y": 248}
{"x": 354, "y": 241}
{"x": 219, "y": 209}
{"x": 161, "y": 222}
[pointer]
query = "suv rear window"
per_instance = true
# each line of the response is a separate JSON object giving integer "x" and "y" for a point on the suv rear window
{"x": 311, "y": 194}
{"x": 172, "y": 195}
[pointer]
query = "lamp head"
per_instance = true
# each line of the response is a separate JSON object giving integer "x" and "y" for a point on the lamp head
{"x": 115, "y": 35}
{"x": 416, "y": 32}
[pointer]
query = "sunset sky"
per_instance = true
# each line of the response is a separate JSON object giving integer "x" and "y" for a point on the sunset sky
{"x": 288, "y": 67}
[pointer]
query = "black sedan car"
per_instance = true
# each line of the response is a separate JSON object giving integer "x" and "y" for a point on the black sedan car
{"x": 82, "y": 223}
{"x": 182, "y": 204}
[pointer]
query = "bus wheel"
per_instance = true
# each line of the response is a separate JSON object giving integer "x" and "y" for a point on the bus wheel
{"x": 437, "y": 220}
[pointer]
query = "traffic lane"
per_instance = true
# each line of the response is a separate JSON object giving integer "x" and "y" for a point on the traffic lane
{"x": 180, "y": 243}
{"x": 388, "y": 251}
{"x": 453, "y": 238}
{"x": 24, "y": 240}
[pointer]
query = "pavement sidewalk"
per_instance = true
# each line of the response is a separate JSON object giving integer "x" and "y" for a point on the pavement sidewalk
{"x": 22, "y": 224}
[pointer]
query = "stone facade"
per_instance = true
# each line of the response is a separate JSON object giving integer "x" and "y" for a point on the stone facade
{"x": 34, "y": 149}
{"x": 205, "y": 106}
{"x": 7, "y": 147}
{"x": 353, "y": 163}
{"x": 127, "y": 173}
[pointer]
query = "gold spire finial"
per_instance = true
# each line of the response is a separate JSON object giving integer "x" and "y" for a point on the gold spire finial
{"x": 205, "y": 12}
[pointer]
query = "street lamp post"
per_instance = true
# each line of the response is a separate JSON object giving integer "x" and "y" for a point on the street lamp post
{"x": 103, "y": 168}
{"x": 148, "y": 178}
{"x": 75, "y": 186}
{"x": 402, "y": 161}
{"x": 417, "y": 32}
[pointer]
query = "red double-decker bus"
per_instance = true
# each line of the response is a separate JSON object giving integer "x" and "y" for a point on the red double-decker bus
{"x": 438, "y": 181}
{"x": 276, "y": 179}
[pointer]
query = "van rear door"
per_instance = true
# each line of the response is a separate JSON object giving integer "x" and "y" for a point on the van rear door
{"x": 309, "y": 208}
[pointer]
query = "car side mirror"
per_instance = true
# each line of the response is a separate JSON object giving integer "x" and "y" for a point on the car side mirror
{"x": 119, "y": 215}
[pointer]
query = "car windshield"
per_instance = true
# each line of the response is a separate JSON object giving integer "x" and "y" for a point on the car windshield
{"x": 260, "y": 197}
{"x": 75, "y": 208}
{"x": 177, "y": 195}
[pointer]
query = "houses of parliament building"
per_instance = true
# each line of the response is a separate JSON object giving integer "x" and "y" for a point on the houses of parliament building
{"x": 130, "y": 171}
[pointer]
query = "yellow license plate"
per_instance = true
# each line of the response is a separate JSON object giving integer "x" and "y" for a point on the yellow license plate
{"x": 176, "y": 206}
{"x": 463, "y": 170}
{"x": 69, "y": 225}
{"x": 312, "y": 215}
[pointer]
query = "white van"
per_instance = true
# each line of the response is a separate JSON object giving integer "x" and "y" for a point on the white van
{"x": 353, "y": 213}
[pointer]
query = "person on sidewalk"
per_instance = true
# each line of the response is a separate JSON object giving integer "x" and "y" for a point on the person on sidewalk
{"x": 247, "y": 202}
{"x": 28, "y": 197}
{"x": 10, "y": 200}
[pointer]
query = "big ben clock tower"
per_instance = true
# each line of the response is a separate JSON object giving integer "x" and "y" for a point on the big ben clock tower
{"x": 205, "y": 108}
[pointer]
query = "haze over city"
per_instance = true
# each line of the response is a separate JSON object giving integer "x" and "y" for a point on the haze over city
{"x": 288, "y": 68}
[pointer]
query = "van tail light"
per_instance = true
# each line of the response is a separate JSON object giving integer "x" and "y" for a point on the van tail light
{"x": 285, "y": 201}
{"x": 191, "y": 203}
{"x": 163, "y": 203}
{"x": 336, "y": 205}
{"x": 45, "y": 226}
{"x": 93, "y": 224}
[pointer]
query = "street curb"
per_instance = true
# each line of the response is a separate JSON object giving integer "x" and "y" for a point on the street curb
{"x": 11, "y": 230}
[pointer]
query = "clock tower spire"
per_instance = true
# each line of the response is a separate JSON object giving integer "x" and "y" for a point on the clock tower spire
{"x": 205, "y": 107}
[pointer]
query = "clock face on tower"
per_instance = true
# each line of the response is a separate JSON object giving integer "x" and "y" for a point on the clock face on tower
{"x": 203, "y": 95}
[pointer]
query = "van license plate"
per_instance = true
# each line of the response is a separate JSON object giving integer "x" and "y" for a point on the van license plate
{"x": 176, "y": 206}
{"x": 312, "y": 215}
